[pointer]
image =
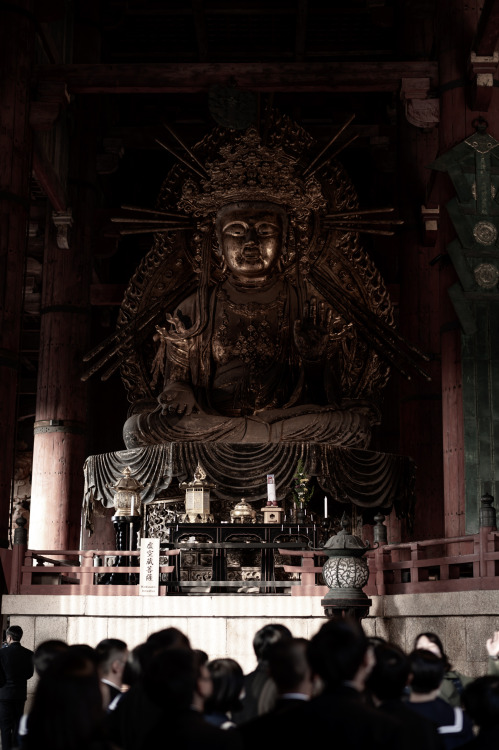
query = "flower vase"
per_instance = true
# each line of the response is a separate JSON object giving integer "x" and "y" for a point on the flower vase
{"x": 299, "y": 514}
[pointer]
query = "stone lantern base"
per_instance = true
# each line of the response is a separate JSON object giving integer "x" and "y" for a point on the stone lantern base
{"x": 346, "y": 603}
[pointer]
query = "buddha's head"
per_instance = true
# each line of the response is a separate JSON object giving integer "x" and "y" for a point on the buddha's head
{"x": 251, "y": 237}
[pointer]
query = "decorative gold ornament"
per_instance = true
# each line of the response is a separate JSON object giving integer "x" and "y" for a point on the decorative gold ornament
{"x": 486, "y": 275}
{"x": 243, "y": 513}
{"x": 250, "y": 171}
{"x": 127, "y": 500}
{"x": 485, "y": 233}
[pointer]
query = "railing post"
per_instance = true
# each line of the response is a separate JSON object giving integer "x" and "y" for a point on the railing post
{"x": 87, "y": 572}
{"x": 379, "y": 555}
{"x": 18, "y": 553}
{"x": 487, "y": 523}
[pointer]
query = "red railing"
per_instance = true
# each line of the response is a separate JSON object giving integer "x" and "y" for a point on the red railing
{"x": 462, "y": 563}
{"x": 43, "y": 572}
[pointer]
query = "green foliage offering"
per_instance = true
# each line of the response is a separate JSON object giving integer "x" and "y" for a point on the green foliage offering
{"x": 302, "y": 493}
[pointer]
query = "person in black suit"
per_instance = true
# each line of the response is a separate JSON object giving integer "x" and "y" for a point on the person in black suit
{"x": 386, "y": 685}
{"x": 289, "y": 669}
{"x": 112, "y": 655}
{"x": 16, "y": 667}
{"x": 340, "y": 653}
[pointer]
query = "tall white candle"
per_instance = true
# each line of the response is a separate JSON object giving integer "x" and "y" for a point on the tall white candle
{"x": 325, "y": 506}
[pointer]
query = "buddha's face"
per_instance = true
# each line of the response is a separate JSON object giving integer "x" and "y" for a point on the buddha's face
{"x": 251, "y": 239}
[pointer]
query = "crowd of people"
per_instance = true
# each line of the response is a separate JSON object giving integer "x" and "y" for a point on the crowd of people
{"x": 339, "y": 686}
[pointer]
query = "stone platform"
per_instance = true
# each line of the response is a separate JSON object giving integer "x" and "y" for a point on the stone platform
{"x": 225, "y": 625}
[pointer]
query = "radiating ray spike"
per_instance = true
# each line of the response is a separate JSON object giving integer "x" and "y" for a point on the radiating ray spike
{"x": 149, "y": 221}
{"x": 338, "y": 151}
{"x": 186, "y": 149}
{"x": 364, "y": 212}
{"x": 364, "y": 221}
{"x": 180, "y": 158}
{"x": 155, "y": 230}
{"x": 333, "y": 139}
{"x": 360, "y": 230}
{"x": 153, "y": 211}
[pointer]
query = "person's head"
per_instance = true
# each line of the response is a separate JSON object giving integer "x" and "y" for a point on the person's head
{"x": 427, "y": 671}
{"x": 112, "y": 655}
{"x": 251, "y": 235}
{"x": 289, "y": 666}
{"x": 266, "y": 637}
{"x": 390, "y": 674}
{"x": 168, "y": 638}
{"x": 13, "y": 634}
{"x": 67, "y": 711}
{"x": 170, "y": 679}
{"x": 431, "y": 642}
{"x": 203, "y": 689}
{"x": 340, "y": 652}
{"x": 481, "y": 701}
{"x": 227, "y": 679}
{"x": 46, "y": 652}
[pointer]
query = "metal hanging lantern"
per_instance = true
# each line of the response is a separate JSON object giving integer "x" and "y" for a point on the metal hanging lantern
{"x": 345, "y": 572}
{"x": 127, "y": 499}
{"x": 197, "y": 498}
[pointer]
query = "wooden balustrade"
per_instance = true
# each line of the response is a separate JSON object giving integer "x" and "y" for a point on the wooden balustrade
{"x": 76, "y": 573}
{"x": 462, "y": 563}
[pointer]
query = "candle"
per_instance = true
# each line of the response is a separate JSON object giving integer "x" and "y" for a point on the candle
{"x": 325, "y": 506}
{"x": 271, "y": 496}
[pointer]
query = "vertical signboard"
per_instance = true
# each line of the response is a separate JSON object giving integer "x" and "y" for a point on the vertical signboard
{"x": 149, "y": 567}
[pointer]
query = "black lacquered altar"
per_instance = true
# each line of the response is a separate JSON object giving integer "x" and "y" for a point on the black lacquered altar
{"x": 233, "y": 557}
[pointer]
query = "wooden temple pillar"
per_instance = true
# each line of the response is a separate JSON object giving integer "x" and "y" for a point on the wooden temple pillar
{"x": 467, "y": 404}
{"x": 60, "y": 441}
{"x": 17, "y": 35}
{"x": 419, "y": 308}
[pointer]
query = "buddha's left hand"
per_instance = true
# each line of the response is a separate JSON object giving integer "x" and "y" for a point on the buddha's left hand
{"x": 311, "y": 333}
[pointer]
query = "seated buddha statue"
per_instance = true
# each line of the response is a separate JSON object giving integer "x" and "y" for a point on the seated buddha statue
{"x": 257, "y": 365}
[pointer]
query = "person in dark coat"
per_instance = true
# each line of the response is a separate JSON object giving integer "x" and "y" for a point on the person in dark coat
{"x": 16, "y": 668}
{"x": 289, "y": 669}
{"x": 481, "y": 701}
{"x": 453, "y": 724}
{"x": 386, "y": 685}
{"x": 341, "y": 655}
{"x": 259, "y": 690}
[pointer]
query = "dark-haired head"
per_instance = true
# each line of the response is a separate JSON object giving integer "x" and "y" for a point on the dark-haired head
{"x": 170, "y": 678}
{"x": 481, "y": 701}
{"x": 390, "y": 673}
{"x": 46, "y": 652}
{"x": 168, "y": 638}
{"x": 228, "y": 680}
{"x": 427, "y": 671}
{"x": 431, "y": 642}
{"x": 288, "y": 664}
{"x": 67, "y": 711}
{"x": 337, "y": 651}
{"x": 15, "y": 632}
{"x": 266, "y": 637}
{"x": 108, "y": 651}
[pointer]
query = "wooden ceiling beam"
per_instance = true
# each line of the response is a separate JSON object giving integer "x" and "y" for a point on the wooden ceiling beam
{"x": 200, "y": 26}
{"x": 332, "y": 77}
{"x": 487, "y": 34}
{"x": 301, "y": 30}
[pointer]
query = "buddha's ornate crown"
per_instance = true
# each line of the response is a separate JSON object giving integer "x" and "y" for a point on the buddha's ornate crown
{"x": 248, "y": 170}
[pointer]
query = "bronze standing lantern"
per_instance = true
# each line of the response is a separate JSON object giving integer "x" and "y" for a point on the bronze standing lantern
{"x": 346, "y": 573}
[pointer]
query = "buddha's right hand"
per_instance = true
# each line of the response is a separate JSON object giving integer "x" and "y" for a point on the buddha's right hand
{"x": 178, "y": 399}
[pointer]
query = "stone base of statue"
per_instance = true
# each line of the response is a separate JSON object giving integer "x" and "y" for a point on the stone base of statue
{"x": 368, "y": 479}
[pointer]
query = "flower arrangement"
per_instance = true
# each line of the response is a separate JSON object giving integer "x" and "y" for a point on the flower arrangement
{"x": 302, "y": 493}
